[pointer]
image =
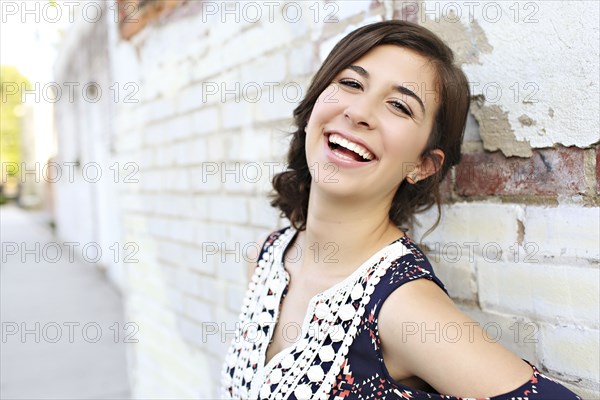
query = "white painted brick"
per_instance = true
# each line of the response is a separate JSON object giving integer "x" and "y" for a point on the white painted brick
{"x": 571, "y": 350}
{"x": 206, "y": 178}
{"x": 236, "y": 113}
{"x": 183, "y": 206}
{"x": 565, "y": 231}
{"x": 328, "y": 45}
{"x": 195, "y": 151}
{"x": 216, "y": 147}
{"x": 458, "y": 276}
{"x": 150, "y": 89}
{"x": 295, "y": 22}
{"x": 269, "y": 170}
{"x": 150, "y": 180}
{"x": 148, "y": 158}
{"x": 196, "y": 259}
{"x": 235, "y": 51}
{"x": 160, "y": 109}
{"x": 235, "y": 297}
{"x": 190, "y": 98}
{"x": 262, "y": 214}
{"x": 209, "y": 64}
{"x": 197, "y": 310}
{"x": 153, "y": 134}
{"x": 215, "y": 376}
{"x": 191, "y": 330}
{"x": 481, "y": 224}
{"x": 301, "y": 60}
{"x": 170, "y": 78}
{"x": 181, "y": 153}
{"x": 266, "y": 69}
{"x": 240, "y": 177}
{"x": 211, "y": 289}
{"x": 165, "y": 156}
{"x": 584, "y": 393}
{"x": 286, "y": 97}
{"x": 178, "y": 128}
{"x": 206, "y": 120}
{"x": 211, "y": 232}
{"x": 198, "y": 210}
{"x": 280, "y": 142}
{"x": 234, "y": 269}
{"x": 175, "y": 299}
{"x": 170, "y": 273}
{"x": 279, "y": 34}
{"x": 183, "y": 230}
{"x": 228, "y": 209}
{"x": 176, "y": 179}
{"x": 218, "y": 343}
{"x": 256, "y": 145}
{"x": 225, "y": 21}
{"x": 246, "y": 236}
{"x": 345, "y": 9}
{"x": 156, "y": 227}
{"x": 187, "y": 281}
{"x": 163, "y": 206}
{"x": 540, "y": 290}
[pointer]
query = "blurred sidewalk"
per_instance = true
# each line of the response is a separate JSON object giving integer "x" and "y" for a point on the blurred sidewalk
{"x": 62, "y": 322}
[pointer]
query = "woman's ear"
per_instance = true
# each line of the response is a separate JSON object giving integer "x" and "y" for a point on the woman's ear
{"x": 430, "y": 164}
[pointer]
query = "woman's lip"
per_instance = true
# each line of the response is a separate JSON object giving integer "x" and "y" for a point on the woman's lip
{"x": 342, "y": 162}
{"x": 352, "y": 138}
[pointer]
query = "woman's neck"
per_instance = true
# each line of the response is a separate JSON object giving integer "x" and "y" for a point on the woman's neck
{"x": 341, "y": 234}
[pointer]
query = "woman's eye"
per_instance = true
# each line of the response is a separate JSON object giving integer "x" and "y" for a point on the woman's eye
{"x": 351, "y": 83}
{"x": 400, "y": 106}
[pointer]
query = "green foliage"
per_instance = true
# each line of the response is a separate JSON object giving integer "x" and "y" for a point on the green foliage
{"x": 11, "y": 85}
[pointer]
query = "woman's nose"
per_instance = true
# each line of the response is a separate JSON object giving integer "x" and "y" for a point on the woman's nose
{"x": 360, "y": 113}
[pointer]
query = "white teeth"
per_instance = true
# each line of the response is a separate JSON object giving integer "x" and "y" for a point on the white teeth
{"x": 355, "y": 147}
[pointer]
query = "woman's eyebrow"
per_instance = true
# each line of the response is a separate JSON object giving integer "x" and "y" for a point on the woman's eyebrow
{"x": 399, "y": 88}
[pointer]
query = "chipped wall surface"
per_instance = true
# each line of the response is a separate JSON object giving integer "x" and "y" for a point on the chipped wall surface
{"x": 535, "y": 64}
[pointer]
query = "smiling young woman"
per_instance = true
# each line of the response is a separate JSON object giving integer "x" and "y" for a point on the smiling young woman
{"x": 336, "y": 317}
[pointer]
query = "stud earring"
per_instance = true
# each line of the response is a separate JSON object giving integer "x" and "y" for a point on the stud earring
{"x": 412, "y": 179}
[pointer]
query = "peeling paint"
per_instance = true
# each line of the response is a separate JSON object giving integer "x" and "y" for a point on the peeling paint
{"x": 526, "y": 120}
{"x": 520, "y": 231}
{"x": 524, "y": 75}
{"x": 480, "y": 39}
{"x": 467, "y": 43}
{"x": 496, "y": 132}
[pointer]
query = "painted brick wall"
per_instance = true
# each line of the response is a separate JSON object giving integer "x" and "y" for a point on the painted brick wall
{"x": 518, "y": 242}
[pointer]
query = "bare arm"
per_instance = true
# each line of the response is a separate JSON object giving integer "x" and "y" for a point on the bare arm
{"x": 424, "y": 334}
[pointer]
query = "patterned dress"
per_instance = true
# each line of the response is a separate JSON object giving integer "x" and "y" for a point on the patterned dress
{"x": 338, "y": 354}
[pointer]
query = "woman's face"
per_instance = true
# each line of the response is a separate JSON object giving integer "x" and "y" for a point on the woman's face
{"x": 368, "y": 128}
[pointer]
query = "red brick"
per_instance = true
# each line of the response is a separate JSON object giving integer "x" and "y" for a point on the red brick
{"x": 547, "y": 172}
{"x": 134, "y": 15}
{"x": 446, "y": 187}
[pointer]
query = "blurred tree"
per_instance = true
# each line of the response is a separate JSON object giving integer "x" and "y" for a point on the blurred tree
{"x": 12, "y": 83}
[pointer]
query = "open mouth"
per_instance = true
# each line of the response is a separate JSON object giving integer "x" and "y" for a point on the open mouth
{"x": 348, "y": 150}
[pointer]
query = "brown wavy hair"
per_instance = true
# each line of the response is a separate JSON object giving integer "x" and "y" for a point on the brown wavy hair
{"x": 292, "y": 187}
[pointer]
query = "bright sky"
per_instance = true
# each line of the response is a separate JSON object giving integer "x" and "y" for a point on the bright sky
{"x": 27, "y": 44}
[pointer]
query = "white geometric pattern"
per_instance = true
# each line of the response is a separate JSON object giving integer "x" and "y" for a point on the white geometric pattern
{"x": 308, "y": 368}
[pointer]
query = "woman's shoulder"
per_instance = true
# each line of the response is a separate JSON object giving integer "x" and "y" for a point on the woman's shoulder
{"x": 411, "y": 265}
{"x": 275, "y": 238}
{"x": 424, "y": 334}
